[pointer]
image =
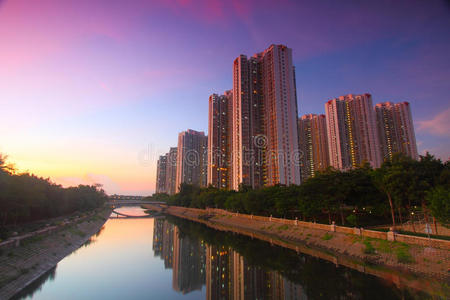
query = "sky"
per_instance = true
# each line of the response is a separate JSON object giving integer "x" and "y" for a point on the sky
{"x": 93, "y": 91}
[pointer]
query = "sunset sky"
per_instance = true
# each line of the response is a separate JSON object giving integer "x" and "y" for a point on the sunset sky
{"x": 92, "y": 91}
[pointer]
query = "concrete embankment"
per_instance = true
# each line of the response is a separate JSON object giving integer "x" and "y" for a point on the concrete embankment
{"x": 27, "y": 258}
{"x": 398, "y": 262}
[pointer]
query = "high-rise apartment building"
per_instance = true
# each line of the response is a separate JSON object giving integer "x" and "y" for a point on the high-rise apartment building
{"x": 219, "y": 140}
{"x": 352, "y": 134}
{"x": 280, "y": 105}
{"x": 171, "y": 171}
{"x": 191, "y": 158}
{"x": 395, "y": 129}
{"x": 247, "y": 124}
{"x": 161, "y": 174}
{"x": 264, "y": 132}
{"x": 313, "y": 144}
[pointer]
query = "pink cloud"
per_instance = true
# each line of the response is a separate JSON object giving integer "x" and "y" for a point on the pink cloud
{"x": 439, "y": 125}
{"x": 107, "y": 183}
{"x": 440, "y": 151}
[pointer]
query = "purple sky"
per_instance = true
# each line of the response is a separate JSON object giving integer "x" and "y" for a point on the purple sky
{"x": 94, "y": 91}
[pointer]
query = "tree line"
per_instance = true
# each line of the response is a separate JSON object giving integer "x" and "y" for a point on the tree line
{"x": 401, "y": 189}
{"x": 26, "y": 197}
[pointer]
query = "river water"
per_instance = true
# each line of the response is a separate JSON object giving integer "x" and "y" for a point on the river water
{"x": 170, "y": 258}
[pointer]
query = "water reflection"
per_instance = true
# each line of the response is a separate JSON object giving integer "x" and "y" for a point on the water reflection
{"x": 36, "y": 285}
{"x": 226, "y": 273}
{"x": 171, "y": 258}
{"x": 236, "y": 267}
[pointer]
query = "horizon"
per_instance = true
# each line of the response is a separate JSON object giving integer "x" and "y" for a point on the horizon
{"x": 94, "y": 93}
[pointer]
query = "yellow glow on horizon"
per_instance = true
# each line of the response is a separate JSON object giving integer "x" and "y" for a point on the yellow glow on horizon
{"x": 63, "y": 169}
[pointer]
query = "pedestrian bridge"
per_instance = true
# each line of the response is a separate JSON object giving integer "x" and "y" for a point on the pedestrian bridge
{"x": 122, "y": 215}
{"x": 118, "y": 203}
{"x": 158, "y": 206}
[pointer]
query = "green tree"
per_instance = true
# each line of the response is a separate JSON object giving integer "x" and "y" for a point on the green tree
{"x": 439, "y": 199}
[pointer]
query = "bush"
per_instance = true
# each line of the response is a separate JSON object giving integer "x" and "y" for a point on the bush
{"x": 352, "y": 220}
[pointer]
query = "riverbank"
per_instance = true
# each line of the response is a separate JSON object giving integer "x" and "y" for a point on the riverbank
{"x": 380, "y": 257}
{"x": 36, "y": 255}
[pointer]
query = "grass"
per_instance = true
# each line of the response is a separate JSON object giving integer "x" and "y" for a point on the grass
{"x": 369, "y": 249}
{"x": 401, "y": 250}
{"x": 32, "y": 239}
{"x": 403, "y": 256}
{"x": 77, "y": 232}
{"x": 355, "y": 239}
{"x": 384, "y": 246}
{"x": 327, "y": 236}
{"x": 283, "y": 227}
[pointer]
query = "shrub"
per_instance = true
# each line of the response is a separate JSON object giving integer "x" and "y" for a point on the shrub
{"x": 352, "y": 220}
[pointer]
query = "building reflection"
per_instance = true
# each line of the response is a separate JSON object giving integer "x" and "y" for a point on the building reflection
{"x": 226, "y": 273}
{"x": 229, "y": 276}
{"x": 188, "y": 263}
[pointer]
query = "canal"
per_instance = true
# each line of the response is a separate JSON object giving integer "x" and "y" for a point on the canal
{"x": 171, "y": 258}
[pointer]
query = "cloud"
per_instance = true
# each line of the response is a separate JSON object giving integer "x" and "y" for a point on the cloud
{"x": 89, "y": 179}
{"x": 440, "y": 151}
{"x": 111, "y": 186}
{"x": 438, "y": 126}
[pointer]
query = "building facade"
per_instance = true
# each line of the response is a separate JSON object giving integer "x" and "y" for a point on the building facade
{"x": 281, "y": 113}
{"x": 171, "y": 171}
{"x": 264, "y": 125}
{"x": 161, "y": 174}
{"x": 191, "y": 158}
{"x": 351, "y": 130}
{"x": 219, "y": 140}
{"x": 313, "y": 144}
{"x": 395, "y": 129}
{"x": 247, "y": 124}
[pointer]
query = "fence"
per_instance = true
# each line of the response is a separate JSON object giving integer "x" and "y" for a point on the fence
{"x": 18, "y": 240}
